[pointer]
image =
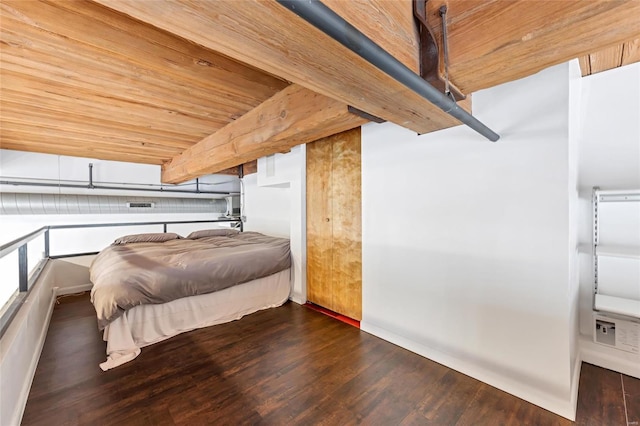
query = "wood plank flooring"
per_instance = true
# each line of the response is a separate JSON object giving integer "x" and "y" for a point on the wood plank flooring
{"x": 289, "y": 365}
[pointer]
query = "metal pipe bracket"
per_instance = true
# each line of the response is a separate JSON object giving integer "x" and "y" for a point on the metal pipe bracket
{"x": 430, "y": 64}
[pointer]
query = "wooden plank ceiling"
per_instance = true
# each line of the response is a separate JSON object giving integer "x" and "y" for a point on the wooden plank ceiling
{"x": 79, "y": 79}
{"x": 612, "y": 57}
{"x": 200, "y": 86}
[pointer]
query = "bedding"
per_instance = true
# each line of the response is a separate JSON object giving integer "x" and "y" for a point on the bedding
{"x": 132, "y": 274}
{"x": 157, "y": 237}
{"x": 146, "y": 325}
{"x": 211, "y": 233}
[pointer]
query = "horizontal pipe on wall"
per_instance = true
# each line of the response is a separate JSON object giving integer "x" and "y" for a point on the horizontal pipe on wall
{"x": 112, "y": 187}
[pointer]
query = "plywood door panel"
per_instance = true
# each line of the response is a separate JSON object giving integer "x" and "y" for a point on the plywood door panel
{"x": 334, "y": 223}
{"x": 347, "y": 224}
{"x": 319, "y": 226}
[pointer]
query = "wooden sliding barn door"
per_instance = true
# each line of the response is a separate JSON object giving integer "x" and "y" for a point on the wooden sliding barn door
{"x": 334, "y": 223}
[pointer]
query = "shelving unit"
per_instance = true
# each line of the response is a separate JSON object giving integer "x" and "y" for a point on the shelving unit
{"x": 616, "y": 247}
{"x": 618, "y": 251}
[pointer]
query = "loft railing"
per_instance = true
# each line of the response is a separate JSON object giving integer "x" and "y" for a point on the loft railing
{"x": 26, "y": 281}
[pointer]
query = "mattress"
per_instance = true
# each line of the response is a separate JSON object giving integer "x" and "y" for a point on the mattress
{"x": 145, "y": 325}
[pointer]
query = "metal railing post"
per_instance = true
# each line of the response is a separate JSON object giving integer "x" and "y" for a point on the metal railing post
{"x": 46, "y": 243}
{"x": 23, "y": 269}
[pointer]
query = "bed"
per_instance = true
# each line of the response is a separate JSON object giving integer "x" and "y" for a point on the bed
{"x": 150, "y": 287}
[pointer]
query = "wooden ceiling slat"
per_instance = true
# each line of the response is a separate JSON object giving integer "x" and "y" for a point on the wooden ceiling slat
{"x": 12, "y": 115}
{"x": 171, "y": 55}
{"x": 585, "y": 65}
{"x": 611, "y": 57}
{"x": 45, "y": 60}
{"x": 57, "y": 98}
{"x": 631, "y": 52}
{"x": 105, "y": 142}
{"x": 44, "y": 139}
{"x": 49, "y": 148}
{"x": 12, "y": 111}
{"x": 605, "y": 59}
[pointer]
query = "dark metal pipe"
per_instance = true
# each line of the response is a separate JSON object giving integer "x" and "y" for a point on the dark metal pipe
{"x": 332, "y": 24}
{"x": 117, "y": 224}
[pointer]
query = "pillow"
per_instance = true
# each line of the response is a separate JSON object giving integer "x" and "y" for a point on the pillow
{"x": 222, "y": 232}
{"x": 157, "y": 237}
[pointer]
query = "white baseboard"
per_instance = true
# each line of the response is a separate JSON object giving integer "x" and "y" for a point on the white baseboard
{"x": 539, "y": 397}
{"x": 575, "y": 384}
{"x": 33, "y": 364}
{"x": 296, "y": 298}
{"x": 61, "y": 291}
{"x": 609, "y": 358}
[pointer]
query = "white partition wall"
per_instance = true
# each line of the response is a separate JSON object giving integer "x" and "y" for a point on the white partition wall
{"x": 468, "y": 246}
{"x": 275, "y": 204}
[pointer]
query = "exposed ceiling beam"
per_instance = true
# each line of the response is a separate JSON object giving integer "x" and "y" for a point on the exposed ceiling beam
{"x": 268, "y": 36}
{"x": 291, "y": 117}
{"x": 492, "y": 42}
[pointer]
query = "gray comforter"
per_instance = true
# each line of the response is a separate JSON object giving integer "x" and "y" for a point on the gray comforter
{"x": 125, "y": 276}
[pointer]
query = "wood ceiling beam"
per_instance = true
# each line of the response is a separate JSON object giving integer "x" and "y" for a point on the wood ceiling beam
{"x": 268, "y": 36}
{"x": 291, "y": 117}
{"x": 496, "y": 41}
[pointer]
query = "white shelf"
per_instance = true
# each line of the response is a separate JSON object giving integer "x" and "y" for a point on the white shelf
{"x": 618, "y": 305}
{"x": 619, "y": 195}
{"x": 618, "y": 251}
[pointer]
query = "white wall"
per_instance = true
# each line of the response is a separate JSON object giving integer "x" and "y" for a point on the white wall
{"x": 27, "y": 166}
{"x": 267, "y": 208}
{"x": 19, "y": 165}
{"x": 610, "y": 135}
{"x": 21, "y": 345}
{"x": 573, "y": 294}
{"x": 609, "y": 157}
{"x": 478, "y": 275}
{"x": 275, "y": 204}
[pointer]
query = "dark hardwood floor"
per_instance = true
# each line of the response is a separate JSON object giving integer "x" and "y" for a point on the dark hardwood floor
{"x": 289, "y": 365}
